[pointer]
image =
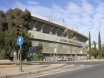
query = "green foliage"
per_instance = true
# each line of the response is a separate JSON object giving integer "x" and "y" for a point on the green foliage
{"x": 85, "y": 48}
{"x": 68, "y": 32}
{"x": 103, "y": 50}
{"x": 39, "y": 50}
{"x": 27, "y": 43}
{"x": 8, "y": 31}
{"x": 99, "y": 46}
{"x": 27, "y": 19}
{"x": 17, "y": 17}
{"x": 3, "y": 52}
{"x": 94, "y": 49}
{"x": 3, "y": 23}
{"x": 36, "y": 58}
{"x": 75, "y": 40}
{"x": 2, "y": 58}
{"x": 2, "y": 38}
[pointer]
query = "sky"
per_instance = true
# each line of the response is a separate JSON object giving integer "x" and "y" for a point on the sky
{"x": 81, "y": 15}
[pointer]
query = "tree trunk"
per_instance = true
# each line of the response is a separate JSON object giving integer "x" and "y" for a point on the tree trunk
{"x": 71, "y": 51}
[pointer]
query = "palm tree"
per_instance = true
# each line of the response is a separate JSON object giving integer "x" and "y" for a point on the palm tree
{"x": 75, "y": 41}
{"x": 84, "y": 49}
{"x": 69, "y": 33}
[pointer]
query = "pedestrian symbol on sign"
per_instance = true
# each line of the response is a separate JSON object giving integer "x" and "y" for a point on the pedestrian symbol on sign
{"x": 20, "y": 40}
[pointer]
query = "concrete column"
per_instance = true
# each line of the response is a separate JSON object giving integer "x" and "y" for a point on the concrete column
{"x": 35, "y": 24}
{"x": 57, "y": 30}
{"x": 51, "y": 29}
{"x": 42, "y": 27}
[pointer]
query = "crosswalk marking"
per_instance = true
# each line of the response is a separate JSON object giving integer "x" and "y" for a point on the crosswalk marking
{"x": 72, "y": 65}
{"x": 62, "y": 71}
{"x": 79, "y": 65}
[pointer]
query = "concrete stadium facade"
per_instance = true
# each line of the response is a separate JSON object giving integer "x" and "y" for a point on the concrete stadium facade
{"x": 55, "y": 43}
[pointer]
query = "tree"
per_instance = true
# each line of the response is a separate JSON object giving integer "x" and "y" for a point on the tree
{"x": 3, "y": 28}
{"x": 69, "y": 33}
{"x": 27, "y": 42}
{"x": 39, "y": 50}
{"x": 75, "y": 41}
{"x": 11, "y": 41}
{"x": 17, "y": 17}
{"x": 99, "y": 46}
{"x": 3, "y": 23}
{"x": 94, "y": 49}
{"x": 84, "y": 49}
{"x": 8, "y": 25}
{"x": 103, "y": 51}
{"x": 27, "y": 19}
{"x": 89, "y": 46}
{"x": 2, "y": 42}
{"x": 10, "y": 18}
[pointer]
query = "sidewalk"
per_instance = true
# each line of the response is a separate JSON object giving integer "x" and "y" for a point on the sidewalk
{"x": 12, "y": 71}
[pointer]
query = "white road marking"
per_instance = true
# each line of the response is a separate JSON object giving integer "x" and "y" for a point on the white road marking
{"x": 81, "y": 65}
{"x": 58, "y": 72}
{"x": 90, "y": 65}
{"x": 50, "y": 74}
{"x": 72, "y": 65}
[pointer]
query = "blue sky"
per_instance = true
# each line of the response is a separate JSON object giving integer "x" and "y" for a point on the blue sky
{"x": 82, "y": 15}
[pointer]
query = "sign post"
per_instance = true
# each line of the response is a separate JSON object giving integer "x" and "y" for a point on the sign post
{"x": 20, "y": 41}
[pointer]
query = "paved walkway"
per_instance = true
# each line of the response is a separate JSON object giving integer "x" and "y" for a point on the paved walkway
{"x": 13, "y": 70}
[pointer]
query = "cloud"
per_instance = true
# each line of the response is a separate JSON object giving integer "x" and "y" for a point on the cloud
{"x": 87, "y": 7}
{"x": 73, "y": 8}
{"x": 85, "y": 15}
{"x": 31, "y": 2}
{"x": 86, "y": 19}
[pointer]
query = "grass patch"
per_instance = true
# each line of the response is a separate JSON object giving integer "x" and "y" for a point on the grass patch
{"x": 36, "y": 59}
{"x": 2, "y": 58}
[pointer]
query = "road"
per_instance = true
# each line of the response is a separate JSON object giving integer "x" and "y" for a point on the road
{"x": 73, "y": 70}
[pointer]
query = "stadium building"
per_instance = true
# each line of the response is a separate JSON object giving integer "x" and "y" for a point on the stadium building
{"x": 55, "y": 43}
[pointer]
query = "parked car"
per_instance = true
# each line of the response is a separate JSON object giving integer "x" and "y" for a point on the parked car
{"x": 68, "y": 59}
{"x": 61, "y": 59}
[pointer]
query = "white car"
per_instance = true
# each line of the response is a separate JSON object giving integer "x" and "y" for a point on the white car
{"x": 61, "y": 59}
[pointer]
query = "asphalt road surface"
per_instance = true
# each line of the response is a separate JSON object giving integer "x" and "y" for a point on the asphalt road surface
{"x": 73, "y": 70}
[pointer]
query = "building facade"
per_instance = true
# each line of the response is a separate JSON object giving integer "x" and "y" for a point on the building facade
{"x": 55, "y": 43}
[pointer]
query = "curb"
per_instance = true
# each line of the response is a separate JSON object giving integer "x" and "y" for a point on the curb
{"x": 31, "y": 72}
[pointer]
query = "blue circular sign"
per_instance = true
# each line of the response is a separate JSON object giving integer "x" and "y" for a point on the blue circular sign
{"x": 20, "y": 40}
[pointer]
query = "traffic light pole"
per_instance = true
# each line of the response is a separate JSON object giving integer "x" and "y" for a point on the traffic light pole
{"x": 20, "y": 41}
{"x": 20, "y": 60}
